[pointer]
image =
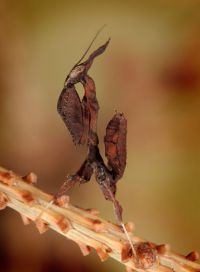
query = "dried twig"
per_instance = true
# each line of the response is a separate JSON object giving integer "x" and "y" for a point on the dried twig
{"x": 86, "y": 228}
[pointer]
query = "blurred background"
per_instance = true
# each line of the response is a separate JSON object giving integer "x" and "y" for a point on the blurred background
{"x": 150, "y": 71}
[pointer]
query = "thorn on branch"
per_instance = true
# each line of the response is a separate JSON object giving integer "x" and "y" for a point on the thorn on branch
{"x": 30, "y": 178}
{"x": 3, "y": 201}
{"x": 25, "y": 219}
{"x": 163, "y": 249}
{"x": 7, "y": 177}
{"x": 126, "y": 252}
{"x": 41, "y": 225}
{"x": 84, "y": 248}
{"x": 63, "y": 201}
{"x": 97, "y": 224}
{"x": 26, "y": 196}
{"x": 63, "y": 224}
{"x": 193, "y": 256}
{"x": 102, "y": 253}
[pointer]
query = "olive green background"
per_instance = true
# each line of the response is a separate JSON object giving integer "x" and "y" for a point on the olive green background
{"x": 150, "y": 71}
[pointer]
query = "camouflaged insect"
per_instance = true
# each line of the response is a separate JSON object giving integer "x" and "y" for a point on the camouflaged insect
{"x": 80, "y": 117}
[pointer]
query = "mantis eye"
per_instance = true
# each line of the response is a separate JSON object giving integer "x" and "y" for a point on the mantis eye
{"x": 77, "y": 71}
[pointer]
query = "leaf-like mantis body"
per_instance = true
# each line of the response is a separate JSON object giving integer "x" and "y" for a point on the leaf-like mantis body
{"x": 80, "y": 117}
{"x": 70, "y": 109}
{"x": 115, "y": 145}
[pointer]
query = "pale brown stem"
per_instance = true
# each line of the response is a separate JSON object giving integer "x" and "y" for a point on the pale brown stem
{"x": 87, "y": 229}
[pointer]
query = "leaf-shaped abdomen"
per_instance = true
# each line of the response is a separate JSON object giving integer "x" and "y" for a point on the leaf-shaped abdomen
{"x": 115, "y": 144}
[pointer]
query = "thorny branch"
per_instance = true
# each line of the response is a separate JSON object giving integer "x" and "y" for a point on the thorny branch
{"x": 84, "y": 227}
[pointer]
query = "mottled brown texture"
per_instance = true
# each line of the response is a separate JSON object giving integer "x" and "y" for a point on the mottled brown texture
{"x": 92, "y": 107}
{"x": 115, "y": 144}
{"x": 80, "y": 116}
{"x": 69, "y": 108}
{"x": 146, "y": 255}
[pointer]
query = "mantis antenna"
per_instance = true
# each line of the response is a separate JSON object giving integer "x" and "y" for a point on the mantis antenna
{"x": 91, "y": 43}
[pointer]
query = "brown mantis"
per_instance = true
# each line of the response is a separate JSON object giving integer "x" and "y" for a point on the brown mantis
{"x": 80, "y": 117}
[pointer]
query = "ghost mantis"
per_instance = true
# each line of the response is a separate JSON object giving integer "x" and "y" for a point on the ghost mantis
{"x": 80, "y": 117}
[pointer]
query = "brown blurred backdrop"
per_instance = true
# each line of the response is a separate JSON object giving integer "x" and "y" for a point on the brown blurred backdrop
{"x": 150, "y": 71}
